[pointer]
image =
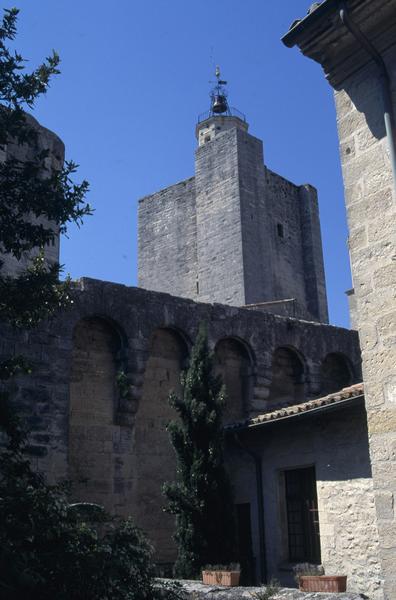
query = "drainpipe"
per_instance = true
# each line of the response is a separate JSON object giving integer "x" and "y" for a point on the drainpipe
{"x": 260, "y": 508}
{"x": 384, "y": 80}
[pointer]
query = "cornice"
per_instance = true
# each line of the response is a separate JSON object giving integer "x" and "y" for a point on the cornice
{"x": 322, "y": 37}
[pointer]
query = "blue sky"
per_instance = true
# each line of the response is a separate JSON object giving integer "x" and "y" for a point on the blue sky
{"x": 134, "y": 78}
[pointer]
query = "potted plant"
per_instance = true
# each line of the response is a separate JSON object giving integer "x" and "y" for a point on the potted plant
{"x": 312, "y": 578}
{"x": 227, "y": 575}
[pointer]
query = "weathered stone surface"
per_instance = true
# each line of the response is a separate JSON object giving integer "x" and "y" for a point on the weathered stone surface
{"x": 195, "y": 591}
{"x": 236, "y": 233}
{"x": 116, "y": 447}
{"x": 337, "y": 444}
{"x": 46, "y": 141}
{"x": 371, "y": 211}
{"x": 167, "y": 240}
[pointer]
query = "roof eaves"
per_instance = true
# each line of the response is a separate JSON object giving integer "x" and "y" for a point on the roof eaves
{"x": 254, "y": 423}
{"x": 300, "y": 26}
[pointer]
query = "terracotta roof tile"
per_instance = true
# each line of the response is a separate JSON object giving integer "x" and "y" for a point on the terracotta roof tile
{"x": 339, "y": 397}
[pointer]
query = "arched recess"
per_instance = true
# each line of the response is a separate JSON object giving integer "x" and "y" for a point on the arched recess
{"x": 336, "y": 373}
{"x": 167, "y": 357}
{"x": 96, "y": 358}
{"x": 233, "y": 361}
{"x": 155, "y": 457}
{"x": 288, "y": 377}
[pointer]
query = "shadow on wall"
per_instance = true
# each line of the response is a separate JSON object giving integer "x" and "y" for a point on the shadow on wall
{"x": 336, "y": 372}
{"x": 154, "y": 457}
{"x": 93, "y": 401}
{"x": 233, "y": 361}
{"x": 167, "y": 356}
{"x": 342, "y": 439}
{"x": 288, "y": 377}
{"x": 366, "y": 95}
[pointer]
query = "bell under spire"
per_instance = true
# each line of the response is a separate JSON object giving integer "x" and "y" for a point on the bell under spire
{"x": 221, "y": 115}
{"x": 218, "y": 96}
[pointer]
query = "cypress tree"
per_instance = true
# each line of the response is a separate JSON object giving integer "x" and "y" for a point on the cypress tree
{"x": 201, "y": 497}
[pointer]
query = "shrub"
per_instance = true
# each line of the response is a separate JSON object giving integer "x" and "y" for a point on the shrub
{"x": 201, "y": 497}
{"x": 269, "y": 591}
{"x": 47, "y": 551}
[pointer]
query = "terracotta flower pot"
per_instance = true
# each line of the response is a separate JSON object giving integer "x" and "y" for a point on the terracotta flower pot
{"x": 228, "y": 578}
{"x": 323, "y": 583}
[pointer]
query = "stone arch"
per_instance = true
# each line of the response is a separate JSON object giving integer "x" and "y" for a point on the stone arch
{"x": 336, "y": 373}
{"x": 155, "y": 458}
{"x": 234, "y": 362}
{"x": 288, "y": 377}
{"x": 96, "y": 357}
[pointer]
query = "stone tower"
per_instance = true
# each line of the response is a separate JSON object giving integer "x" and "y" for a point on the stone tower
{"x": 50, "y": 142}
{"x": 236, "y": 233}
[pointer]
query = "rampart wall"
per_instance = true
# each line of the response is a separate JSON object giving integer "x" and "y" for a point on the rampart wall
{"x": 96, "y": 402}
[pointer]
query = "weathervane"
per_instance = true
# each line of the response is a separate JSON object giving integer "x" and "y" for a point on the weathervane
{"x": 219, "y": 103}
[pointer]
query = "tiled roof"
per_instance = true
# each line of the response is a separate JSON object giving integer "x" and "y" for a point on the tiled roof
{"x": 344, "y": 396}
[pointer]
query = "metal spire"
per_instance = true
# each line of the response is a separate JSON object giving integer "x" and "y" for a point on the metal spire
{"x": 219, "y": 103}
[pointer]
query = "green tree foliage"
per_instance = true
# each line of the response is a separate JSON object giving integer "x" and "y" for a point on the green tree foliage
{"x": 201, "y": 497}
{"x": 47, "y": 550}
{"x": 36, "y": 200}
{"x": 57, "y": 197}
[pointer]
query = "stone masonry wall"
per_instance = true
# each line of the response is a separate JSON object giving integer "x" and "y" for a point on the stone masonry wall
{"x": 138, "y": 456}
{"x": 259, "y": 264}
{"x": 371, "y": 211}
{"x": 337, "y": 445}
{"x": 167, "y": 241}
{"x": 91, "y": 412}
{"x": 314, "y": 275}
{"x": 282, "y": 208}
{"x": 237, "y": 233}
{"x": 47, "y": 140}
{"x": 153, "y": 456}
{"x": 233, "y": 364}
{"x": 219, "y": 227}
{"x": 299, "y": 249}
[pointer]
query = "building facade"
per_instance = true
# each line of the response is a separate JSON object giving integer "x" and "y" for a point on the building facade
{"x": 317, "y": 498}
{"x": 97, "y": 404}
{"x": 354, "y": 41}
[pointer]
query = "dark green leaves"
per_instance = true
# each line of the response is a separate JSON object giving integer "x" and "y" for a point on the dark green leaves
{"x": 47, "y": 550}
{"x": 35, "y": 209}
{"x": 201, "y": 497}
{"x": 16, "y": 86}
{"x": 35, "y": 294}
